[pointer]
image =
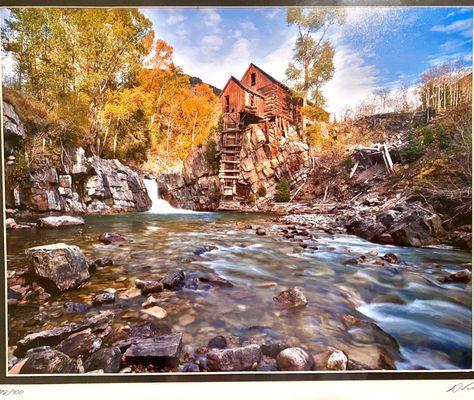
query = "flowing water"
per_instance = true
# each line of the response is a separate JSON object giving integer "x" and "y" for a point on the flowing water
{"x": 430, "y": 321}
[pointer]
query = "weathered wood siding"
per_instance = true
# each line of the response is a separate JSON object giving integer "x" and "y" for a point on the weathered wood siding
{"x": 278, "y": 102}
{"x": 241, "y": 100}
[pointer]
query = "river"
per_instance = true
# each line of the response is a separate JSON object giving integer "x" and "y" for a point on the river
{"x": 430, "y": 321}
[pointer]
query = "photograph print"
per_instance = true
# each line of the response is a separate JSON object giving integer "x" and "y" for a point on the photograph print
{"x": 237, "y": 190}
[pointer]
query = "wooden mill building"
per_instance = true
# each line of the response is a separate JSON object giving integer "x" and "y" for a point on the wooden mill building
{"x": 257, "y": 98}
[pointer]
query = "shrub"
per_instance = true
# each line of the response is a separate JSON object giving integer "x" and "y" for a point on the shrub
{"x": 413, "y": 150}
{"x": 282, "y": 191}
{"x": 443, "y": 138}
{"x": 251, "y": 198}
{"x": 347, "y": 162}
{"x": 428, "y": 135}
{"x": 211, "y": 154}
{"x": 262, "y": 191}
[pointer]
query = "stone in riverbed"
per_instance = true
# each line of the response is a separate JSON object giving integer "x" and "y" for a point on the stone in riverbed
{"x": 59, "y": 265}
{"x": 49, "y": 362}
{"x": 112, "y": 237}
{"x": 463, "y": 276}
{"x": 294, "y": 359}
{"x": 273, "y": 349}
{"x": 218, "y": 342}
{"x": 337, "y": 361}
{"x": 293, "y": 298}
{"x": 260, "y": 232}
{"x": 103, "y": 298}
{"x": 100, "y": 263}
{"x": 391, "y": 258}
{"x": 80, "y": 343}
{"x": 54, "y": 336}
{"x": 149, "y": 302}
{"x": 148, "y": 287}
{"x": 214, "y": 279}
{"x": 156, "y": 312}
{"x": 58, "y": 222}
{"x": 10, "y": 223}
{"x": 107, "y": 359}
{"x": 235, "y": 359}
{"x": 173, "y": 280}
{"x": 162, "y": 350}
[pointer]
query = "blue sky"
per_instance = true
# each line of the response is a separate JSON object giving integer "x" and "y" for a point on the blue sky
{"x": 376, "y": 47}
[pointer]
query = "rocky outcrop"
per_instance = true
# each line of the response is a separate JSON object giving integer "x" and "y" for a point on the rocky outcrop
{"x": 13, "y": 130}
{"x": 266, "y": 158}
{"x": 57, "y": 222}
{"x": 407, "y": 224}
{"x": 76, "y": 185}
{"x": 58, "y": 265}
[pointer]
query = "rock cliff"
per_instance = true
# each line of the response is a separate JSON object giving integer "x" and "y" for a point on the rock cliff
{"x": 80, "y": 185}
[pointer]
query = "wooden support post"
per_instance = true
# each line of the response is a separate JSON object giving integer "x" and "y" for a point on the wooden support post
{"x": 389, "y": 161}
{"x": 354, "y": 168}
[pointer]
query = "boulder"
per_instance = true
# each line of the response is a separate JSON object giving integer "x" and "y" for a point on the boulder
{"x": 58, "y": 222}
{"x": 215, "y": 279}
{"x": 173, "y": 280}
{"x": 103, "y": 298}
{"x": 58, "y": 265}
{"x": 155, "y": 312}
{"x": 147, "y": 287}
{"x": 218, "y": 342}
{"x": 10, "y": 223}
{"x": 235, "y": 359}
{"x": 463, "y": 276}
{"x": 391, "y": 258}
{"x": 294, "y": 359}
{"x": 49, "y": 362}
{"x": 112, "y": 238}
{"x": 162, "y": 350}
{"x": 107, "y": 359}
{"x": 80, "y": 343}
{"x": 292, "y": 298}
{"x": 337, "y": 361}
{"x": 54, "y": 336}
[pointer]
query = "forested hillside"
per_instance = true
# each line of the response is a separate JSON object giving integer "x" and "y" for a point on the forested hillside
{"x": 110, "y": 82}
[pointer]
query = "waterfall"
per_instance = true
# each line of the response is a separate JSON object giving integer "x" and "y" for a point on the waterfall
{"x": 160, "y": 206}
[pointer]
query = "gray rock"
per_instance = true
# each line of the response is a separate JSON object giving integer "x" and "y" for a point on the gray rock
{"x": 57, "y": 222}
{"x": 463, "y": 276}
{"x": 294, "y": 359}
{"x": 59, "y": 265}
{"x": 292, "y": 298}
{"x": 162, "y": 350}
{"x": 148, "y": 287}
{"x": 80, "y": 343}
{"x": 235, "y": 359}
{"x": 112, "y": 238}
{"x": 215, "y": 279}
{"x": 337, "y": 361}
{"x": 54, "y": 336}
{"x": 107, "y": 359}
{"x": 49, "y": 362}
{"x": 218, "y": 342}
{"x": 103, "y": 298}
{"x": 173, "y": 280}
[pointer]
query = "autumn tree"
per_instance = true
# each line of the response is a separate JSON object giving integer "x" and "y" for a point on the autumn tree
{"x": 312, "y": 62}
{"x": 78, "y": 55}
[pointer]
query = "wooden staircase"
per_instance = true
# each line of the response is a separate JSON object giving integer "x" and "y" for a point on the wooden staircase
{"x": 230, "y": 154}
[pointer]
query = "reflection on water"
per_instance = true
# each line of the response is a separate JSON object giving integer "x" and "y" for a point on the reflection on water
{"x": 431, "y": 322}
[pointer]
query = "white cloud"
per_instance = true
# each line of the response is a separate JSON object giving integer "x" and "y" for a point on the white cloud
{"x": 353, "y": 81}
{"x": 453, "y": 45}
{"x": 271, "y": 13}
{"x": 436, "y": 60}
{"x": 233, "y": 62}
{"x": 211, "y": 42}
{"x": 248, "y": 26}
{"x": 463, "y": 27}
{"x": 211, "y": 18}
{"x": 175, "y": 19}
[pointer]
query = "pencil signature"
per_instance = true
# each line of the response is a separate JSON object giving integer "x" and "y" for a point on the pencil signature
{"x": 460, "y": 387}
